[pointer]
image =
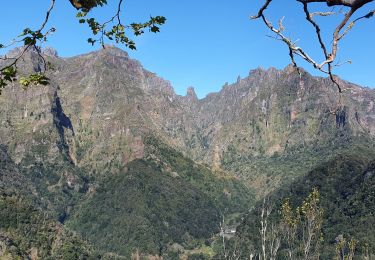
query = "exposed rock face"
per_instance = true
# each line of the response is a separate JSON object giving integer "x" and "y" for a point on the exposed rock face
{"x": 99, "y": 107}
{"x": 190, "y": 95}
{"x": 104, "y": 118}
{"x": 50, "y": 52}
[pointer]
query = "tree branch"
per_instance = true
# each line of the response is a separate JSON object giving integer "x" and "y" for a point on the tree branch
{"x": 8, "y": 73}
{"x": 329, "y": 56}
{"x": 347, "y": 3}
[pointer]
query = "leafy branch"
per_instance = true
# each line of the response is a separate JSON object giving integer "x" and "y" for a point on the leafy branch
{"x": 29, "y": 38}
{"x": 112, "y": 29}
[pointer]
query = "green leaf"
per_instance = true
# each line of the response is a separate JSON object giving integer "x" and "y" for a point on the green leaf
{"x": 8, "y": 74}
{"x": 29, "y": 41}
{"x": 24, "y": 82}
{"x": 91, "y": 41}
{"x": 154, "y": 29}
{"x": 26, "y": 31}
{"x": 35, "y": 79}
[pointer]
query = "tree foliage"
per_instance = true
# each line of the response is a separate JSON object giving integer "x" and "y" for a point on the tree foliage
{"x": 345, "y": 184}
{"x": 302, "y": 227}
{"x": 112, "y": 29}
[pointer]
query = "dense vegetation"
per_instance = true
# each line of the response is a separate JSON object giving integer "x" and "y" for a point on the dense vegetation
{"x": 152, "y": 204}
{"x": 228, "y": 192}
{"x": 27, "y": 231}
{"x": 346, "y": 184}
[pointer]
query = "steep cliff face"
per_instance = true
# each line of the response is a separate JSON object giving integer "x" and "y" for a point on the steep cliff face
{"x": 273, "y": 111}
{"x": 263, "y": 126}
{"x": 100, "y": 111}
{"x": 89, "y": 131}
{"x": 103, "y": 104}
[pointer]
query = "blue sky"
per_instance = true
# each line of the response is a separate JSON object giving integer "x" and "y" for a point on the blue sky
{"x": 205, "y": 43}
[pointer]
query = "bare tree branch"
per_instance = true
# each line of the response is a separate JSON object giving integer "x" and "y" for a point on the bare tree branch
{"x": 329, "y": 55}
{"x": 261, "y": 10}
{"x": 348, "y": 3}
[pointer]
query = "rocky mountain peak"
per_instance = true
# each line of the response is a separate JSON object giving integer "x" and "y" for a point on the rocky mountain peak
{"x": 190, "y": 94}
{"x": 50, "y": 52}
{"x": 31, "y": 58}
{"x": 290, "y": 68}
{"x": 119, "y": 94}
{"x": 259, "y": 72}
{"x": 18, "y": 50}
{"x": 114, "y": 51}
{"x": 238, "y": 79}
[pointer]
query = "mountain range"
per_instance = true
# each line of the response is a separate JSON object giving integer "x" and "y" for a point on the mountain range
{"x": 112, "y": 161}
